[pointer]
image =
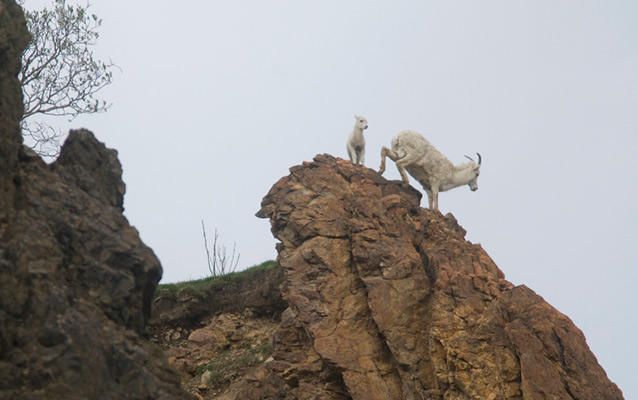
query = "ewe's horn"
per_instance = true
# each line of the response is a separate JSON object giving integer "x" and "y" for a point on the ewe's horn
{"x": 471, "y": 159}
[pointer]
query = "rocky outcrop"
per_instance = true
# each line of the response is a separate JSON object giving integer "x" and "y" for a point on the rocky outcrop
{"x": 389, "y": 301}
{"x": 76, "y": 282}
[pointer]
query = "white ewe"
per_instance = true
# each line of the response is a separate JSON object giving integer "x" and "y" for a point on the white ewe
{"x": 412, "y": 152}
{"x": 356, "y": 144}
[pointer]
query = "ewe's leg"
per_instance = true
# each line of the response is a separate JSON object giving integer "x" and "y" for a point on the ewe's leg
{"x": 394, "y": 157}
{"x": 409, "y": 158}
{"x": 435, "y": 197}
{"x": 389, "y": 153}
{"x": 404, "y": 176}
{"x": 430, "y": 198}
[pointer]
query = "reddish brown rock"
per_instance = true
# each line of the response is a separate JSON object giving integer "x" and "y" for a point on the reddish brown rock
{"x": 389, "y": 301}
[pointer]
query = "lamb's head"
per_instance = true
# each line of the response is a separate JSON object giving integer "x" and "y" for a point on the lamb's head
{"x": 361, "y": 123}
{"x": 474, "y": 170}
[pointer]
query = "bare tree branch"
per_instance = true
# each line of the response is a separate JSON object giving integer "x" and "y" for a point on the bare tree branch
{"x": 59, "y": 75}
{"x": 219, "y": 264}
{"x": 210, "y": 266}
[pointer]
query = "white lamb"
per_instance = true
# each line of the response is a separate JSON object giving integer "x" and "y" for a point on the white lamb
{"x": 412, "y": 152}
{"x": 356, "y": 144}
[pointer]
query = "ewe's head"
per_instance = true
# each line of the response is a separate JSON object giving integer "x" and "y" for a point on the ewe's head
{"x": 362, "y": 123}
{"x": 474, "y": 172}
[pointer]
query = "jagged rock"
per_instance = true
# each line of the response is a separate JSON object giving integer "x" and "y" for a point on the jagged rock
{"x": 86, "y": 164}
{"x": 76, "y": 281}
{"x": 389, "y": 301}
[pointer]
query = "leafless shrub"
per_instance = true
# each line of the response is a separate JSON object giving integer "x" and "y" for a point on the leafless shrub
{"x": 219, "y": 263}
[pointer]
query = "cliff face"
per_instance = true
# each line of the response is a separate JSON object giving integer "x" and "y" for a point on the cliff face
{"x": 76, "y": 282}
{"x": 389, "y": 301}
{"x": 13, "y": 39}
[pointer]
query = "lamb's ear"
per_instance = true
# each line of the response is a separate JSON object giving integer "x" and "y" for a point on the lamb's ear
{"x": 356, "y": 116}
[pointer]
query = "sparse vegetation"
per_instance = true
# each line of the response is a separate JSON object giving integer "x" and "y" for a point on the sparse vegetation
{"x": 200, "y": 285}
{"x": 219, "y": 263}
{"x": 265, "y": 349}
{"x": 226, "y": 365}
{"x": 243, "y": 307}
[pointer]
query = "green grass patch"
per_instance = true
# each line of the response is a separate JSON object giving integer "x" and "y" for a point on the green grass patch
{"x": 265, "y": 350}
{"x": 220, "y": 369}
{"x": 199, "y": 285}
{"x": 225, "y": 366}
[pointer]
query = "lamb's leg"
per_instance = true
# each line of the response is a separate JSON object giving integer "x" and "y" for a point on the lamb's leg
{"x": 362, "y": 156}
{"x": 350, "y": 155}
{"x": 434, "y": 203}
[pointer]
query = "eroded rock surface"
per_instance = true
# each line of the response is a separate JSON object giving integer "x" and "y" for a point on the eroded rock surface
{"x": 76, "y": 285}
{"x": 218, "y": 331}
{"x": 389, "y": 301}
{"x": 76, "y": 281}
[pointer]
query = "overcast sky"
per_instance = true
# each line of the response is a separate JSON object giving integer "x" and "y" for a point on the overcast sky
{"x": 215, "y": 100}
